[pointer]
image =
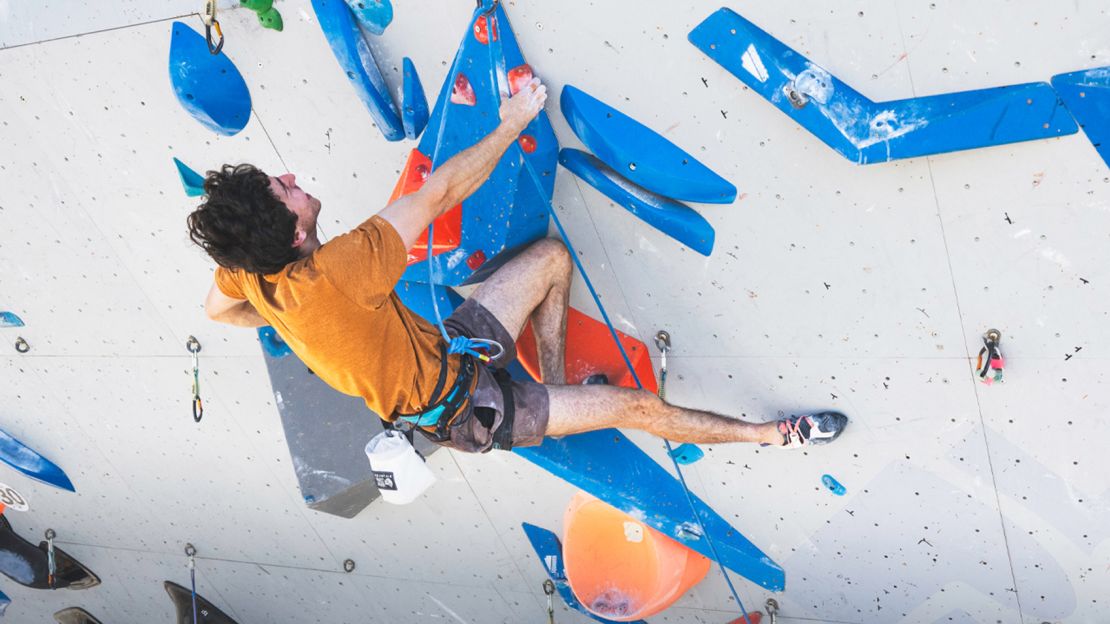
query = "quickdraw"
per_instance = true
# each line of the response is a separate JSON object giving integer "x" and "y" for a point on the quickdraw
{"x": 193, "y": 345}
{"x": 191, "y": 553}
{"x": 51, "y": 564}
{"x": 210, "y": 23}
{"x": 990, "y": 361}
{"x": 549, "y": 589}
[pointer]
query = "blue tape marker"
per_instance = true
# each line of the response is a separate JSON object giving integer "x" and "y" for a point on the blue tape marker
{"x": 833, "y": 485}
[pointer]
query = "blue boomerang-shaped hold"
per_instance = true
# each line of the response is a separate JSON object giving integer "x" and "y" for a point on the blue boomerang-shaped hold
{"x": 865, "y": 131}
{"x": 373, "y": 15}
{"x": 209, "y": 86}
{"x": 640, "y": 154}
{"x": 550, "y": 551}
{"x": 10, "y": 319}
{"x": 21, "y": 457}
{"x": 509, "y": 211}
{"x": 191, "y": 180}
{"x": 354, "y": 57}
{"x": 676, "y": 220}
{"x": 1087, "y": 95}
{"x": 414, "y": 104}
{"x": 608, "y": 465}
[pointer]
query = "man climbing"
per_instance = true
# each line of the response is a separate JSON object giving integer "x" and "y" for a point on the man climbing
{"x": 334, "y": 305}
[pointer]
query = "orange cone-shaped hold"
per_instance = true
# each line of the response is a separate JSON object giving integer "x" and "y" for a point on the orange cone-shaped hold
{"x": 621, "y": 569}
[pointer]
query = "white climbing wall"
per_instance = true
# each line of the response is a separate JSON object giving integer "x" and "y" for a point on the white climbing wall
{"x": 863, "y": 289}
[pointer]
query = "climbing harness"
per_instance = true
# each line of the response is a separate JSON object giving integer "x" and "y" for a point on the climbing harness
{"x": 191, "y": 553}
{"x": 697, "y": 524}
{"x": 51, "y": 564}
{"x": 549, "y": 589}
{"x": 445, "y": 403}
{"x": 193, "y": 345}
{"x": 210, "y": 23}
{"x": 989, "y": 368}
{"x": 21, "y": 345}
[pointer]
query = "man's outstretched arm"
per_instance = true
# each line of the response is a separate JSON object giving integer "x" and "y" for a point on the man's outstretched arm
{"x": 461, "y": 175}
{"x": 224, "y": 309}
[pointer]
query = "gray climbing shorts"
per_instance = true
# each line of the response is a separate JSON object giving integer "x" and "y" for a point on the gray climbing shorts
{"x": 530, "y": 400}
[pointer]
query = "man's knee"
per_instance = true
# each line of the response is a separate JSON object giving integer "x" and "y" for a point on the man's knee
{"x": 555, "y": 255}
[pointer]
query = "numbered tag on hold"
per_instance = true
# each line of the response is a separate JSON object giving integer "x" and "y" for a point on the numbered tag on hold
{"x": 12, "y": 499}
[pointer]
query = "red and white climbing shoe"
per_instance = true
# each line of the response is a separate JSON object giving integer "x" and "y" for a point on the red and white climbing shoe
{"x": 801, "y": 431}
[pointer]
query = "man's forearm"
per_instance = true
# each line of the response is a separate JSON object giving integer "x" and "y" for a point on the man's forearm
{"x": 465, "y": 172}
{"x": 242, "y": 315}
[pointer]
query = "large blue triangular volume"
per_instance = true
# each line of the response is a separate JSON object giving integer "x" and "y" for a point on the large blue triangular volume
{"x": 509, "y": 211}
{"x": 865, "y": 131}
{"x": 209, "y": 86}
{"x": 1087, "y": 95}
{"x": 608, "y": 465}
{"x": 354, "y": 57}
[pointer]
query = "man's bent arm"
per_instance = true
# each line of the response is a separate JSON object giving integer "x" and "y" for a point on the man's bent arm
{"x": 224, "y": 309}
{"x": 464, "y": 173}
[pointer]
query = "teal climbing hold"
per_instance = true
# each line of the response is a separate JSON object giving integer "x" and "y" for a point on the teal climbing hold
{"x": 687, "y": 454}
{"x": 10, "y": 319}
{"x": 373, "y": 15}
{"x": 191, "y": 180}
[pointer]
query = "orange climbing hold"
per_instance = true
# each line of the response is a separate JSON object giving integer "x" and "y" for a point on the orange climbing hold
{"x": 590, "y": 350}
{"x": 621, "y": 569}
{"x": 448, "y": 226}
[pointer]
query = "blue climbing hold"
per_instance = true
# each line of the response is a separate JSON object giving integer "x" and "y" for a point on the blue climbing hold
{"x": 1087, "y": 95}
{"x": 865, "y": 131}
{"x": 373, "y": 15}
{"x": 550, "y": 552}
{"x": 608, "y": 465}
{"x": 10, "y": 319}
{"x": 676, "y": 220}
{"x": 414, "y": 104}
{"x": 272, "y": 343}
{"x": 687, "y": 453}
{"x": 208, "y": 85}
{"x": 354, "y": 57}
{"x": 21, "y": 457}
{"x": 833, "y": 485}
{"x": 640, "y": 154}
{"x": 191, "y": 180}
{"x": 4, "y": 603}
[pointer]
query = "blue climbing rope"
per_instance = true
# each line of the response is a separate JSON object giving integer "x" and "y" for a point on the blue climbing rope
{"x": 495, "y": 40}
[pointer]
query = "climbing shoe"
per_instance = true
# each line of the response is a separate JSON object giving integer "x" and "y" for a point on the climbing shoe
{"x": 597, "y": 379}
{"x": 801, "y": 431}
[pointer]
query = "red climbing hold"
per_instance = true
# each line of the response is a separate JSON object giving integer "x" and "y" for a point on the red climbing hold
{"x": 527, "y": 143}
{"x": 481, "y": 30}
{"x": 476, "y": 259}
{"x": 462, "y": 92}
{"x": 448, "y": 227}
{"x": 518, "y": 77}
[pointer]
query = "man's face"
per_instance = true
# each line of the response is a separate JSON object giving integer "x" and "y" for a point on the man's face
{"x": 300, "y": 203}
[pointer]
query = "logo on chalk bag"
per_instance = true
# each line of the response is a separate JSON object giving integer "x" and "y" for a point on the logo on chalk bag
{"x": 384, "y": 480}
{"x": 11, "y": 499}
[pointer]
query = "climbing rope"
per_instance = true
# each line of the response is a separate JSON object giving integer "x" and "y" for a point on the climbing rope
{"x": 193, "y": 345}
{"x": 210, "y": 23}
{"x": 51, "y": 564}
{"x": 612, "y": 330}
{"x": 191, "y": 553}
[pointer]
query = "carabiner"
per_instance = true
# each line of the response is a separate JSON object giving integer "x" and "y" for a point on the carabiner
{"x": 210, "y": 22}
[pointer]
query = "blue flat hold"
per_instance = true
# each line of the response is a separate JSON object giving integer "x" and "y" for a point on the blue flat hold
{"x": 10, "y": 319}
{"x": 1087, "y": 95}
{"x": 608, "y": 465}
{"x": 208, "y": 85}
{"x": 550, "y": 551}
{"x": 640, "y": 154}
{"x": 832, "y": 485}
{"x": 4, "y": 603}
{"x": 191, "y": 180}
{"x": 414, "y": 104}
{"x": 676, "y": 220}
{"x": 373, "y": 15}
{"x": 418, "y": 298}
{"x": 272, "y": 343}
{"x": 509, "y": 211}
{"x": 687, "y": 454}
{"x": 865, "y": 131}
{"x": 15, "y": 454}
{"x": 354, "y": 57}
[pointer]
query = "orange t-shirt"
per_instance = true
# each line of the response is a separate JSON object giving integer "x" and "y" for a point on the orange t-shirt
{"x": 337, "y": 311}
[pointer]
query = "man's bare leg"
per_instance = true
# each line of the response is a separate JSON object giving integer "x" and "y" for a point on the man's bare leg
{"x": 575, "y": 409}
{"x": 534, "y": 285}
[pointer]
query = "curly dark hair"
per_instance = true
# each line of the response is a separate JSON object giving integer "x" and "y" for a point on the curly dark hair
{"x": 242, "y": 224}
